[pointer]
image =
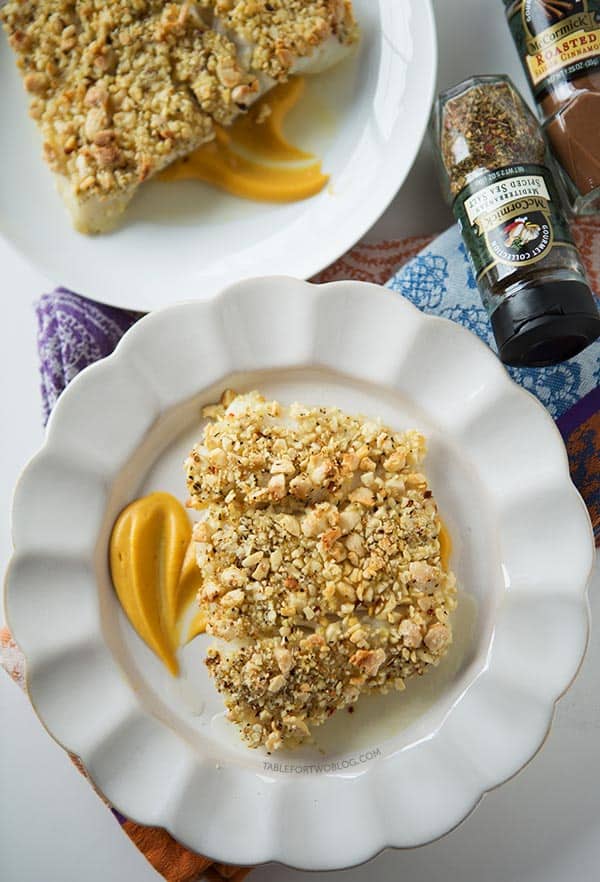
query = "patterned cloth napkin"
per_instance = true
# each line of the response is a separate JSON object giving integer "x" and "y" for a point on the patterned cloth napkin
{"x": 435, "y": 275}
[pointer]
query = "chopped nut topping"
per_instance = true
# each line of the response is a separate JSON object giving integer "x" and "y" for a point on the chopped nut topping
{"x": 437, "y": 637}
{"x": 330, "y": 595}
{"x": 244, "y": 448}
{"x": 145, "y": 71}
{"x": 279, "y": 32}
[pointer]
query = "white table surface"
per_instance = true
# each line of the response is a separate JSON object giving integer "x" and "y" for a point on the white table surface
{"x": 543, "y": 826}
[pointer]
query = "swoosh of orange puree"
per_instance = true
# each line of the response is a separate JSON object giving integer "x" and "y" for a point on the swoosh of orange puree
{"x": 445, "y": 546}
{"x": 154, "y": 571}
{"x": 254, "y": 160}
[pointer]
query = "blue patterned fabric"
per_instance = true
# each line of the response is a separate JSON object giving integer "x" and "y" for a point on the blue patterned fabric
{"x": 439, "y": 281}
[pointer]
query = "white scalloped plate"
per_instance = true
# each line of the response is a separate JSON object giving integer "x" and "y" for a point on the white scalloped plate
{"x": 365, "y": 119}
{"x": 403, "y": 769}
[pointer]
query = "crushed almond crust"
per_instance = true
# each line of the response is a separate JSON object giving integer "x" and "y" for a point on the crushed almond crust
{"x": 122, "y": 89}
{"x": 321, "y": 561}
{"x": 278, "y": 32}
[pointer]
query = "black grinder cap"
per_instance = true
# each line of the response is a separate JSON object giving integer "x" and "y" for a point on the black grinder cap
{"x": 546, "y": 324}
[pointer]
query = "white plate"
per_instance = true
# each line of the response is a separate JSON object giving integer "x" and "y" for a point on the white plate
{"x": 402, "y": 770}
{"x": 366, "y": 120}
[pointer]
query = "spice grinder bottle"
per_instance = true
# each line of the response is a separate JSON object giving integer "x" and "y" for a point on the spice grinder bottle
{"x": 494, "y": 166}
{"x": 559, "y": 45}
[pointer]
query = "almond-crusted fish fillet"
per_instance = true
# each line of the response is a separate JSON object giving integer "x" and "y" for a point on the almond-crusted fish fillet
{"x": 121, "y": 89}
{"x": 323, "y": 576}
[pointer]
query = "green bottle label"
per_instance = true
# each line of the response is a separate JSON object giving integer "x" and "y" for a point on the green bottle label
{"x": 510, "y": 217}
{"x": 556, "y": 41}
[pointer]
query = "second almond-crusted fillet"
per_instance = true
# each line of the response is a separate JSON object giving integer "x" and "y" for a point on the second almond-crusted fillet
{"x": 120, "y": 90}
{"x": 123, "y": 88}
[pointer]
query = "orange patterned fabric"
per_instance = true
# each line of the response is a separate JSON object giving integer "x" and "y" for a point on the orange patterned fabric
{"x": 175, "y": 862}
{"x": 375, "y": 263}
{"x": 586, "y": 233}
{"x": 167, "y": 856}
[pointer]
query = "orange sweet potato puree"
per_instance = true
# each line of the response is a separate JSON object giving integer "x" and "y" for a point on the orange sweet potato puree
{"x": 154, "y": 572}
{"x": 445, "y": 546}
{"x": 253, "y": 159}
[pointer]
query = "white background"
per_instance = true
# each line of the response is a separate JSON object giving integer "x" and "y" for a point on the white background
{"x": 543, "y": 826}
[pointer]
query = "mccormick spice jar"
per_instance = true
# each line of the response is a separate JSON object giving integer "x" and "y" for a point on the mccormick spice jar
{"x": 559, "y": 45}
{"x": 495, "y": 171}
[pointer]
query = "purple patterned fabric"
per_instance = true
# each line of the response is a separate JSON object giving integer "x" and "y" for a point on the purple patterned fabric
{"x": 74, "y": 332}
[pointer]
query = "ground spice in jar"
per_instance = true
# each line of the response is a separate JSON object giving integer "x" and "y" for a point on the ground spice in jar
{"x": 495, "y": 169}
{"x": 559, "y": 44}
{"x": 574, "y": 134}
